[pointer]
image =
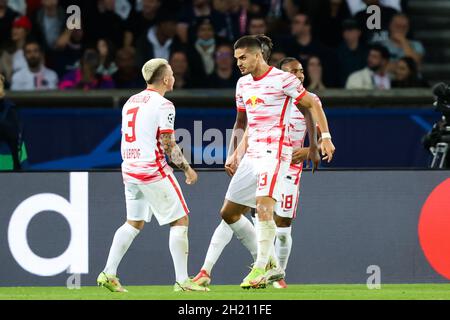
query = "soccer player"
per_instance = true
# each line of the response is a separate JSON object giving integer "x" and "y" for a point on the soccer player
{"x": 285, "y": 211}
{"x": 150, "y": 185}
{"x": 223, "y": 234}
{"x": 267, "y": 95}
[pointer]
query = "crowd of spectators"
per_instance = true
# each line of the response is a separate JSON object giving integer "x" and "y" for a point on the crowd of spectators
{"x": 329, "y": 37}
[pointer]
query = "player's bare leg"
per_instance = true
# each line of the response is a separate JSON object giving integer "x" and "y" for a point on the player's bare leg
{"x": 123, "y": 238}
{"x": 283, "y": 245}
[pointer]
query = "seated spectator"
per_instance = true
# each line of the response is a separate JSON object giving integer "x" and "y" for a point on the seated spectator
{"x": 201, "y": 52}
{"x": 372, "y": 36}
{"x": 314, "y": 71}
{"x": 7, "y": 17}
{"x": 103, "y": 22}
{"x": 329, "y": 21}
{"x": 225, "y": 74}
{"x": 189, "y": 15}
{"x": 160, "y": 40}
{"x": 13, "y": 58}
{"x": 399, "y": 45}
{"x": 35, "y": 76}
{"x": 224, "y": 21}
{"x": 86, "y": 76}
{"x": 375, "y": 75}
{"x": 180, "y": 67}
{"x": 49, "y": 23}
{"x": 351, "y": 53}
{"x": 128, "y": 75}
{"x": 69, "y": 52}
{"x": 242, "y": 11}
{"x": 406, "y": 75}
{"x": 107, "y": 66}
{"x": 276, "y": 57}
{"x": 139, "y": 22}
{"x": 257, "y": 25}
{"x": 303, "y": 45}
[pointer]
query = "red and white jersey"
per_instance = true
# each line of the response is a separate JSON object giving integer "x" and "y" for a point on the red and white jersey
{"x": 145, "y": 116}
{"x": 297, "y": 131}
{"x": 268, "y": 101}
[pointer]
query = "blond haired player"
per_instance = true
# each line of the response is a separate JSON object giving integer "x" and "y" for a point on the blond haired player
{"x": 151, "y": 188}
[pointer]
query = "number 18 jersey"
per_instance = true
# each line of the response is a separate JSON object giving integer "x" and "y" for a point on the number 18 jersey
{"x": 145, "y": 116}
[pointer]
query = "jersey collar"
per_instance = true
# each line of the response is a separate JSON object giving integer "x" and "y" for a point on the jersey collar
{"x": 265, "y": 74}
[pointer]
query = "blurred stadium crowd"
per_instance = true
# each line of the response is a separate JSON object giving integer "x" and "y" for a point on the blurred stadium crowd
{"x": 329, "y": 37}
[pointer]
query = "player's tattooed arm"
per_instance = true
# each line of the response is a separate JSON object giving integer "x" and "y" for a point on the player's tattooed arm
{"x": 173, "y": 151}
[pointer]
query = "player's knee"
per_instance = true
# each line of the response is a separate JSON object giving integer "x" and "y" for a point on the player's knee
{"x": 137, "y": 224}
{"x": 183, "y": 222}
{"x": 229, "y": 216}
{"x": 264, "y": 211}
{"x": 282, "y": 222}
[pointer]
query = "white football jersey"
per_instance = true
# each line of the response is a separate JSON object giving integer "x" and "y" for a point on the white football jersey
{"x": 268, "y": 101}
{"x": 145, "y": 116}
{"x": 298, "y": 129}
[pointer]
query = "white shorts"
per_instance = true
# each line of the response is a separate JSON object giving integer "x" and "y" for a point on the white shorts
{"x": 163, "y": 199}
{"x": 287, "y": 207}
{"x": 257, "y": 178}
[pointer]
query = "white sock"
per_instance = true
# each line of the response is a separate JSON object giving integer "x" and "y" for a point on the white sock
{"x": 179, "y": 249}
{"x": 283, "y": 245}
{"x": 123, "y": 238}
{"x": 221, "y": 237}
{"x": 266, "y": 235}
{"x": 246, "y": 233}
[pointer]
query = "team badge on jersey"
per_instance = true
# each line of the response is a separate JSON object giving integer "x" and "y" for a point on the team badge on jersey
{"x": 171, "y": 118}
{"x": 254, "y": 100}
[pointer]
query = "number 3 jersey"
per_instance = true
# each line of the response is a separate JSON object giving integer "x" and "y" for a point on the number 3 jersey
{"x": 145, "y": 116}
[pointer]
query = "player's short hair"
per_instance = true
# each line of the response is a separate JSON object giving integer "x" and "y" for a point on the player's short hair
{"x": 266, "y": 46}
{"x": 286, "y": 60}
{"x": 153, "y": 70}
{"x": 249, "y": 42}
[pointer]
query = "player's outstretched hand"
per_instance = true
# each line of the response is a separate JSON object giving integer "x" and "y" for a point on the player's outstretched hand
{"x": 191, "y": 176}
{"x": 314, "y": 156}
{"x": 327, "y": 149}
{"x": 299, "y": 155}
{"x": 231, "y": 165}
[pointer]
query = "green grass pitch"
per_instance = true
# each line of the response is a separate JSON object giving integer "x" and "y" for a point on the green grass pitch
{"x": 293, "y": 292}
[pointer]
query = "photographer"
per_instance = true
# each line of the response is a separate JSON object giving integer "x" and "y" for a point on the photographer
{"x": 438, "y": 140}
{"x": 10, "y": 133}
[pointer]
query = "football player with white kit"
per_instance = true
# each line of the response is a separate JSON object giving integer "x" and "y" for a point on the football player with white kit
{"x": 266, "y": 94}
{"x": 286, "y": 208}
{"x": 151, "y": 188}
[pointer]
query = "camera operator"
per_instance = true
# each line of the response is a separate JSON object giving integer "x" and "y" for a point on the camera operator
{"x": 10, "y": 129}
{"x": 438, "y": 140}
